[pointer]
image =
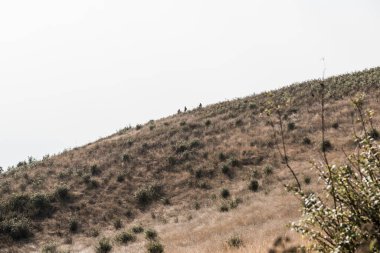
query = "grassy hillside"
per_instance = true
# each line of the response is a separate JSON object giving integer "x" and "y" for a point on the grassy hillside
{"x": 198, "y": 178}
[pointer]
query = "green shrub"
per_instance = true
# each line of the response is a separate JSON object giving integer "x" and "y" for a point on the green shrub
{"x": 125, "y": 237}
{"x": 252, "y": 106}
{"x": 235, "y": 162}
{"x": 335, "y": 125}
{"x": 224, "y": 208}
{"x": 235, "y": 203}
{"x": 307, "y": 180}
{"x": 126, "y": 158}
{"x": 120, "y": 178}
{"x": 155, "y": 247}
{"x": 40, "y": 206}
{"x": 225, "y": 169}
{"x": 166, "y": 201}
{"x": 137, "y": 229}
{"x": 225, "y": 193}
{"x": 128, "y": 213}
{"x": 268, "y": 170}
{"x": 256, "y": 174}
{"x": 306, "y": 141}
{"x": 62, "y": 193}
{"x": 63, "y": 175}
{"x": 235, "y": 242}
{"x": 198, "y": 173}
{"x": 145, "y": 195}
{"x": 117, "y": 224}
{"x": 36, "y": 207}
{"x": 151, "y": 234}
{"x": 291, "y": 126}
{"x": 19, "y": 203}
{"x": 95, "y": 170}
{"x": 73, "y": 225}
{"x": 222, "y": 156}
{"x": 253, "y": 185}
{"x": 31, "y": 159}
{"x": 195, "y": 144}
{"x": 20, "y": 164}
{"x": 17, "y": 228}
{"x": 104, "y": 246}
{"x": 326, "y": 146}
{"x": 86, "y": 178}
{"x": 239, "y": 122}
{"x": 180, "y": 148}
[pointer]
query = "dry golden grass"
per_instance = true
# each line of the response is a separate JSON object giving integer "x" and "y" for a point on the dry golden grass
{"x": 236, "y": 129}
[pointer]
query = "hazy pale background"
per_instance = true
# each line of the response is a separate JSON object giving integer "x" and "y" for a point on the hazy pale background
{"x": 73, "y": 71}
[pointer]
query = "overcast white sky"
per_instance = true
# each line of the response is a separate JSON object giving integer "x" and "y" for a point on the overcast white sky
{"x": 75, "y": 70}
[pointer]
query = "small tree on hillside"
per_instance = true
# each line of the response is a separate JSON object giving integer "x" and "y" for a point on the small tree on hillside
{"x": 345, "y": 218}
{"x": 352, "y": 222}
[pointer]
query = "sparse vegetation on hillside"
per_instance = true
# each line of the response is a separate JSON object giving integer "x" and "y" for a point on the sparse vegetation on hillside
{"x": 170, "y": 177}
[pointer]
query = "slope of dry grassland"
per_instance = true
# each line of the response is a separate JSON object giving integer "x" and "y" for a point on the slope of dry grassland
{"x": 168, "y": 175}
